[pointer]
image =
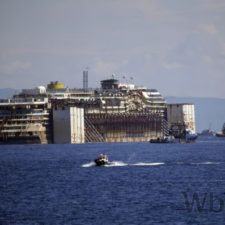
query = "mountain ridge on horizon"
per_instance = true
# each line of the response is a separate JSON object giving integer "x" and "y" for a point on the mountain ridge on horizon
{"x": 190, "y": 97}
{"x": 8, "y": 92}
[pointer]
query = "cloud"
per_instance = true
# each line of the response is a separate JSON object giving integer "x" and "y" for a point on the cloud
{"x": 215, "y": 5}
{"x": 171, "y": 66}
{"x": 151, "y": 9}
{"x": 223, "y": 48}
{"x": 150, "y": 38}
{"x": 208, "y": 28}
{"x": 105, "y": 68}
{"x": 15, "y": 67}
{"x": 207, "y": 59}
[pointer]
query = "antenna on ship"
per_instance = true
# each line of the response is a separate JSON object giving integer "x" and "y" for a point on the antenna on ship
{"x": 85, "y": 79}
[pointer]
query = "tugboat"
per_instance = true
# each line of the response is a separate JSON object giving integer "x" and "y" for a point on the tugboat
{"x": 163, "y": 140}
{"x": 102, "y": 160}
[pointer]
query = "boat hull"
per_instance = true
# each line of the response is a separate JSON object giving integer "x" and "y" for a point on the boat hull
{"x": 20, "y": 140}
{"x": 100, "y": 162}
{"x": 220, "y": 135}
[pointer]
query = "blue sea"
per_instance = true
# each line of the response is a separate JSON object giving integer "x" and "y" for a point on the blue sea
{"x": 172, "y": 184}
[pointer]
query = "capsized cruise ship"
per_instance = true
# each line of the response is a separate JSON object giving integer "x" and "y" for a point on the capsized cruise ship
{"x": 115, "y": 112}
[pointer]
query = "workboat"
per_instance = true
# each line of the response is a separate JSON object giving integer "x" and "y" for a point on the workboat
{"x": 102, "y": 160}
{"x": 190, "y": 135}
{"x": 163, "y": 140}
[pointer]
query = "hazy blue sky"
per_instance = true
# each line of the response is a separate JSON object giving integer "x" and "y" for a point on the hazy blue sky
{"x": 176, "y": 46}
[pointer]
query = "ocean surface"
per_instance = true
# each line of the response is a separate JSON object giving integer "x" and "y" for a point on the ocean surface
{"x": 172, "y": 184}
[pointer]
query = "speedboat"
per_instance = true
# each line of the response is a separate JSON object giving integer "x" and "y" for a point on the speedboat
{"x": 102, "y": 160}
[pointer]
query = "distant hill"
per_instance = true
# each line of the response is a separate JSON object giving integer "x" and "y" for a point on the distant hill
{"x": 210, "y": 112}
{"x": 7, "y": 92}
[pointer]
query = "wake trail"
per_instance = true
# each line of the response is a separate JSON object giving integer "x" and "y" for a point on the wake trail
{"x": 90, "y": 164}
{"x": 121, "y": 164}
{"x": 148, "y": 164}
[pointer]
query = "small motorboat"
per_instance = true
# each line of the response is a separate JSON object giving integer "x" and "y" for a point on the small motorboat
{"x": 102, "y": 160}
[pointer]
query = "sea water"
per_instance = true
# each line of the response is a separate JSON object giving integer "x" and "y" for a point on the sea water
{"x": 144, "y": 184}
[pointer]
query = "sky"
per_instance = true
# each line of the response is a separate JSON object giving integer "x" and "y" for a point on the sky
{"x": 175, "y": 46}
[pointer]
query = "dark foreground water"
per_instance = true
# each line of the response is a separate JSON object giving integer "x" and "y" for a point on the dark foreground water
{"x": 147, "y": 184}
